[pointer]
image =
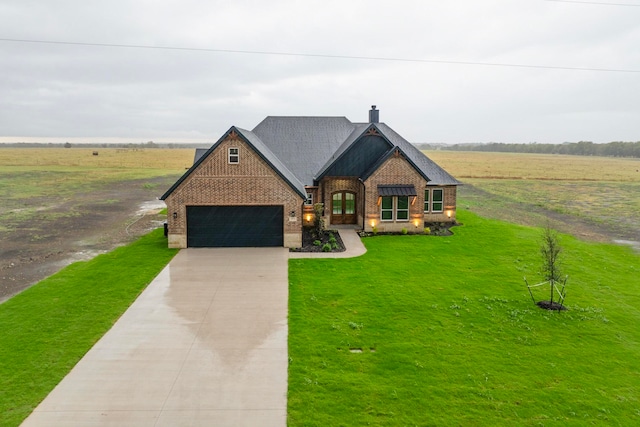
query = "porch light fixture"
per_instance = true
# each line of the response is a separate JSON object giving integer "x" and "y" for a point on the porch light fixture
{"x": 175, "y": 215}
{"x": 449, "y": 214}
{"x": 416, "y": 222}
{"x": 308, "y": 217}
{"x": 373, "y": 223}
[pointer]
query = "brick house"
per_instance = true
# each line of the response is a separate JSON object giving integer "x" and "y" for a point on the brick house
{"x": 258, "y": 188}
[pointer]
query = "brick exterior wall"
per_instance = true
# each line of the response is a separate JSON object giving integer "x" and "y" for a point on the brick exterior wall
{"x": 215, "y": 182}
{"x": 449, "y": 205}
{"x": 330, "y": 185}
{"x": 396, "y": 170}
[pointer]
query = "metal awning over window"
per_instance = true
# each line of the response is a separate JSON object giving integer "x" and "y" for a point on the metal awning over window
{"x": 397, "y": 190}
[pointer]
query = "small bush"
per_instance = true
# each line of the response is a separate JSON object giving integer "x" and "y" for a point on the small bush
{"x": 326, "y": 247}
{"x": 317, "y": 243}
{"x": 374, "y": 230}
{"x": 403, "y": 231}
{"x": 427, "y": 230}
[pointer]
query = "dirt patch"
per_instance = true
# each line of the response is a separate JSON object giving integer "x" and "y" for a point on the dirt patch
{"x": 64, "y": 231}
{"x": 548, "y": 305}
{"x": 493, "y": 206}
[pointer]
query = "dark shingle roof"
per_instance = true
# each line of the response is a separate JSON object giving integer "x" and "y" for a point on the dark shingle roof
{"x": 304, "y": 144}
{"x": 301, "y": 149}
{"x": 436, "y": 175}
{"x": 199, "y": 153}
{"x": 274, "y": 161}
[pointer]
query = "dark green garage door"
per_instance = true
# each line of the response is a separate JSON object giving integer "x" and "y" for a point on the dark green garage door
{"x": 234, "y": 226}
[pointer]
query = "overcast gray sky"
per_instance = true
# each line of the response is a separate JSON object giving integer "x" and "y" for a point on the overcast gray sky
{"x": 438, "y": 90}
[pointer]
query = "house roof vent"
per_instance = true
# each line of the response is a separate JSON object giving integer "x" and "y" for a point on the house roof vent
{"x": 374, "y": 115}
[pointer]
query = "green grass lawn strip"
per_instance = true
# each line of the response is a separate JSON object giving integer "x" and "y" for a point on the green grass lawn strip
{"x": 45, "y": 330}
{"x": 456, "y": 336}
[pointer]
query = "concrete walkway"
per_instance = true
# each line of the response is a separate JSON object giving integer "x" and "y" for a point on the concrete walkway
{"x": 352, "y": 243}
{"x": 204, "y": 345}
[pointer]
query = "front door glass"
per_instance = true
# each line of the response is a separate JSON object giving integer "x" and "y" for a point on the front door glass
{"x": 349, "y": 203}
{"x": 343, "y": 208}
{"x": 337, "y": 204}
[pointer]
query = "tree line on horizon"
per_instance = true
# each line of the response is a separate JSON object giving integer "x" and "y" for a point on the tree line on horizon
{"x": 582, "y": 148}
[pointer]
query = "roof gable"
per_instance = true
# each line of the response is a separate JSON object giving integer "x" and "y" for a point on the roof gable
{"x": 304, "y": 144}
{"x": 357, "y": 154}
{"x": 427, "y": 167}
{"x": 394, "y": 152}
{"x": 258, "y": 146}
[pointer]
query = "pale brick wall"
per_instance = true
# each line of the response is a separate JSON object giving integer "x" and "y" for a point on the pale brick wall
{"x": 449, "y": 206}
{"x": 217, "y": 183}
{"x": 330, "y": 185}
{"x": 396, "y": 170}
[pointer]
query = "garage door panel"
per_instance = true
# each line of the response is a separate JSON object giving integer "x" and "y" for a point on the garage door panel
{"x": 234, "y": 226}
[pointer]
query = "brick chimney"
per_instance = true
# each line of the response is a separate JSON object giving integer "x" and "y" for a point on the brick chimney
{"x": 374, "y": 115}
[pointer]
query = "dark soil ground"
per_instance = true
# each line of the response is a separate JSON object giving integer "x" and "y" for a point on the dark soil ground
{"x": 548, "y": 305}
{"x": 308, "y": 238}
{"x": 78, "y": 229}
{"x": 492, "y": 206}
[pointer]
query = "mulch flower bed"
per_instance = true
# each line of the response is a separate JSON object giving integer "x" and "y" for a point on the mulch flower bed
{"x": 308, "y": 239}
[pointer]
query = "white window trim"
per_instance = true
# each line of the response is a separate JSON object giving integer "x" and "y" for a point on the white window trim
{"x": 437, "y": 201}
{"x": 427, "y": 203}
{"x": 231, "y": 155}
{"x": 393, "y": 210}
{"x": 309, "y": 200}
{"x": 408, "y": 210}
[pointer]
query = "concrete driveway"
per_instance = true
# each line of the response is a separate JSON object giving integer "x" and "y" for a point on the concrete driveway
{"x": 204, "y": 345}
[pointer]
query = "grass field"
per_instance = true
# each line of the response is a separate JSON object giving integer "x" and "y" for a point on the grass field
{"x": 50, "y": 326}
{"x": 598, "y": 198}
{"x": 166, "y": 160}
{"x": 516, "y": 166}
{"x": 445, "y": 333}
{"x": 35, "y": 172}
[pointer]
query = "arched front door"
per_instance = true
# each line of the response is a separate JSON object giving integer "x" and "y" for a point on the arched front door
{"x": 343, "y": 208}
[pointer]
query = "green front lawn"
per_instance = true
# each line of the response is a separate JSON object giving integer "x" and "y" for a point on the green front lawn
{"x": 46, "y": 329}
{"x": 450, "y": 336}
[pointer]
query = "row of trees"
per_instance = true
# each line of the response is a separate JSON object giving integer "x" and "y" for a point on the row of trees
{"x": 582, "y": 148}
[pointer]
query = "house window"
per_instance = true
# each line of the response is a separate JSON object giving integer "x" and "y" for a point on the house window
{"x": 436, "y": 204}
{"x": 234, "y": 155}
{"x": 309, "y": 201}
{"x": 386, "y": 208}
{"x": 427, "y": 200}
{"x": 394, "y": 208}
{"x": 433, "y": 200}
{"x": 402, "y": 208}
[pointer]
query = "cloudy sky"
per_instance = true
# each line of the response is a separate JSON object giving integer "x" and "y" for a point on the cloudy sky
{"x": 450, "y": 71}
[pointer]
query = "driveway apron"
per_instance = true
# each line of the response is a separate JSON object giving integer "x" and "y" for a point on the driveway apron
{"x": 204, "y": 345}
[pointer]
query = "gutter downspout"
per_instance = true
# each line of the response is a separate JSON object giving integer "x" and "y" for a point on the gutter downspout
{"x": 364, "y": 202}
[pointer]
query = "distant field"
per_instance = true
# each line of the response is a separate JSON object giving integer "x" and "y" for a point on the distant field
{"x": 35, "y": 172}
{"x": 470, "y": 165}
{"x": 156, "y": 158}
{"x": 593, "y": 197}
